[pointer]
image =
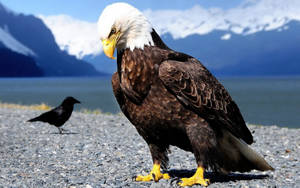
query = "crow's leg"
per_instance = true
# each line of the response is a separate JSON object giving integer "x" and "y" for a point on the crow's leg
{"x": 60, "y": 130}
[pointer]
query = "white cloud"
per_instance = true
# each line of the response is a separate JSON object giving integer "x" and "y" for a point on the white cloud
{"x": 80, "y": 37}
{"x": 10, "y": 42}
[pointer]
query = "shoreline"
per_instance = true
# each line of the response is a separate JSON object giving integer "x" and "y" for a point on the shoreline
{"x": 45, "y": 107}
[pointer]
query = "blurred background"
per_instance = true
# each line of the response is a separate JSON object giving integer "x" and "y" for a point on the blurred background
{"x": 50, "y": 49}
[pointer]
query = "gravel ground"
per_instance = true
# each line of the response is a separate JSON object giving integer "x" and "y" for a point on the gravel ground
{"x": 106, "y": 151}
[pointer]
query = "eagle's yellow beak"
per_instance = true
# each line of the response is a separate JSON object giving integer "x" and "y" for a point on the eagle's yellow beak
{"x": 109, "y": 45}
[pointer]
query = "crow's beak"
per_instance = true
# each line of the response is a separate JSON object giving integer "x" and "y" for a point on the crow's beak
{"x": 77, "y": 101}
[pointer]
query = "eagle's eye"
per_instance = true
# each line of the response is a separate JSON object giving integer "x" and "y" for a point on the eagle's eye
{"x": 113, "y": 31}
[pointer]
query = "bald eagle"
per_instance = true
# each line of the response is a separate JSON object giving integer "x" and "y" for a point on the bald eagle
{"x": 172, "y": 99}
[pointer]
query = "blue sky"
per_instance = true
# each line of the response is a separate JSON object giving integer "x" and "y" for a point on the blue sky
{"x": 89, "y": 10}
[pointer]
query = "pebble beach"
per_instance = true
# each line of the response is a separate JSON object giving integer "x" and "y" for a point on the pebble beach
{"x": 106, "y": 151}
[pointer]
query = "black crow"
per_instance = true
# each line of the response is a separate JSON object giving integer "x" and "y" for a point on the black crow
{"x": 59, "y": 115}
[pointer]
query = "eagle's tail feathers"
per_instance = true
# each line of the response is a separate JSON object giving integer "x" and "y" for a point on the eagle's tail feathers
{"x": 240, "y": 156}
{"x": 259, "y": 162}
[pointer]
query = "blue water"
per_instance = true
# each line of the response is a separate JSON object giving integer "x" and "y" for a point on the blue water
{"x": 264, "y": 101}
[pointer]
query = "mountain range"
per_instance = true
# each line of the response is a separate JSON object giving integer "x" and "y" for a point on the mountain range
{"x": 28, "y": 48}
{"x": 258, "y": 44}
{"x": 264, "y": 53}
{"x": 255, "y": 38}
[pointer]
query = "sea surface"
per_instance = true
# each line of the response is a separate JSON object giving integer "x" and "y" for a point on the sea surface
{"x": 263, "y": 101}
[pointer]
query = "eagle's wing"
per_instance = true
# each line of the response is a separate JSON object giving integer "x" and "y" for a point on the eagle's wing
{"x": 197, "y": 89}
{"x": 115, "y": 81}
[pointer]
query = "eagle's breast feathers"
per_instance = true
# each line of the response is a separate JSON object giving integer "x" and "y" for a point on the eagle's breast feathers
{"x": 137, "y": 72}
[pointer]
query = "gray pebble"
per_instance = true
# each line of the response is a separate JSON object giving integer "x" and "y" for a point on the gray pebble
{"x": 106, "y": 151}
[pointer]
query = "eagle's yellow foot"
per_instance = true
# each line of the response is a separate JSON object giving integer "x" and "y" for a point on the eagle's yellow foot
{"x": 197, "y": 178}
{"x": 155, "y": 175}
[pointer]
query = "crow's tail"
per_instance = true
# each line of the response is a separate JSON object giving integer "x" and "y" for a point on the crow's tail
{"x": 34, "y": 119}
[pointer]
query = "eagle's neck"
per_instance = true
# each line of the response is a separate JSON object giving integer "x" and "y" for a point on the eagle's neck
{"x": 141, "y": 61}
{"x": 139, "y": 38}
{"x": 136, "y": 33}
{"x": 157, "y": 40}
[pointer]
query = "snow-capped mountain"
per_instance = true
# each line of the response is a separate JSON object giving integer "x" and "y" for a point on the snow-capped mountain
{"x": 15, "y": 57}
{"x": 242, "y": 41}
{"x": 10, "y": 42}
{"x": 80, "y": 38}
{"x": 264, "y": 53}
{"x": 25, "y": 38}
{"x": 250, "y": 17}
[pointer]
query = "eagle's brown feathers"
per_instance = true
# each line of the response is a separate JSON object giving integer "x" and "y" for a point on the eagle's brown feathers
{"x": 172, "y": 99}
{"x": 198, "y": 90}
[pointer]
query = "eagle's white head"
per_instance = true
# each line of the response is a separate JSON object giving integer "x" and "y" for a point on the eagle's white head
{"x": 122, "y": 26}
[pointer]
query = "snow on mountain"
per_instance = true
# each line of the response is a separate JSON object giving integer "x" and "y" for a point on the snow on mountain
{"x": 10, "y": 42}
{"x": 227, "y": 36}
{"x": 80, "y": 37}
{"x": 250, "y": 17}
{"x": 26, "y": 34}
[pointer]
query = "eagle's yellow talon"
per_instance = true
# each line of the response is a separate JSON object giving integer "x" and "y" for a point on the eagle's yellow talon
{"x": 155, "y": 175}
{"x": 192, "y": 181}
{"x": 144, "y": 178}
{"x": 166, "y": 176}
{"x": 197, "y": 178}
